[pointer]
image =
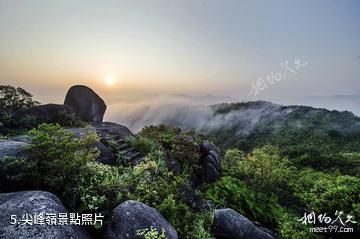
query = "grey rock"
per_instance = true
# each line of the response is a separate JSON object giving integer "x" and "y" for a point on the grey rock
{"x": 106, "y": 154}
{"x": 88, "y": 105}
{"x": 49, "y": 113}
{"x": 228, "y": 224}
{"x": 131, "y": 216}
{"x": 210, "y": 163}
{"x": 20, "y": 138}
{"x": 110, "y": 129}
{"x": 12, "y": 148}
{"x": 34, "y": 202}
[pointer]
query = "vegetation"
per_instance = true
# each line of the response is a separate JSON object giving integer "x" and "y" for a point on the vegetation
{"x": 13, "y": 99}
{"x": 151, "y": 233}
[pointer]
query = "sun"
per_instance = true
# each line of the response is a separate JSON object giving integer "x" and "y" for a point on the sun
{"x": 109, "y": 81}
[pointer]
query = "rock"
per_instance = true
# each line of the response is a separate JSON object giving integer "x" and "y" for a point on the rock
{"x": 131, "y": 216}
{"x": 210, "y": 163}
{"x": 106, "y": 155}
{"x": 12, "y": 148}
{"x": 34, "y": 202}
{"x": 21, "y": 138}
{"x": 88, "y": 106}
{"x": 49, "y": 113}
{"x": 228, "y": 224}
{"x": 112, "y": 130}
{"x": 117, "y": 133}
{"x": 173, "y": 165}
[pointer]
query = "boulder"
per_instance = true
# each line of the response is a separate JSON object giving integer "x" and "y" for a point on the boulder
{"x": 210, "y": 163}
{"x": 15, "y": 205}
{"x": 106, "y": 154}
{"x": 88, "y": 105}
{"x": 131, "y": 216}
{"x": 12, "y": 148}
{"x": 49, "y": 113}
{"x": 228, "y": 224}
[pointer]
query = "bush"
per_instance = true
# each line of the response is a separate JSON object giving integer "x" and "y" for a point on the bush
{"x": 151, "y": 233}
{"x": 265, "y": 169}
{"x": 59, "y": 159}
{"x": 202, "y": 225}
{"x": 233, "y": 193}
{"x": 332, "y": 194}
{"x": 291, "y": 228}
{"x": 231, "y": 161}
{"x": 181, "y": 146}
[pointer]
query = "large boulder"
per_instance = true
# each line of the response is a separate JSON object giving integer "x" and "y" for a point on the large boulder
{"x": 87, "y": 105}
{"x": 131, "y": 216}
{"x": 19, "y": 204}
{"x": 228, "y": 224}
{"x": 49, "y": 113}
{"x": 210, "y": 163}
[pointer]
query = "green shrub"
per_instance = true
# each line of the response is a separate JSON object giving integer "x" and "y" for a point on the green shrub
{"x": 151, "y": 233}
{"x": 181, "y": 146}
{"x": 291, "y": 228}
{"x": 265, "y": 169}
{"x": 332, "y": 194}
{"x": 144, "y": 145}
{"x": 202, "y": 225}
{"x": 233, "y": 193}
{"x": 179, "y": 214}
{"x": 59, "y": 159}
{"x": 96, "y": 182}
{"x": 231, "y": 161}
{"x": 162, "y": 134}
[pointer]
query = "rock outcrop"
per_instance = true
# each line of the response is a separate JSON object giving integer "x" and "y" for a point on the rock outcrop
{"x": 131, "y": 216}
{"x": 110, "y": 129}
{"x": 34, "y": 202}
{"x": 49, "y": 113}
{"x": 228, "y": 224}
{"x": 210, "y": 163}
{"x": 87, "y": 105}
{"x": 117, "y": 134}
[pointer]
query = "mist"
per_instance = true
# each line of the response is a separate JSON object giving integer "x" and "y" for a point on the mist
{"x": 195, "y": 112}
{"x": 188, "y": 113}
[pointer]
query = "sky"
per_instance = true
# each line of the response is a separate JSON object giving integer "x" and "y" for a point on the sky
{"x": 130, "y": 49}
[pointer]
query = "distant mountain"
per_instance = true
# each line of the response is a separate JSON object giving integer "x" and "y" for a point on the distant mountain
{"x": 206, "y": 99}
{"x": 314, "y": 137}
{"x": 346, "y": 102}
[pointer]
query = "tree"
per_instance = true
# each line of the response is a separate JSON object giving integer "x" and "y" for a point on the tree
{"x": 12, "y": 99}
{"x": 231, "y": 161}
{"x": 266, "y": 168}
